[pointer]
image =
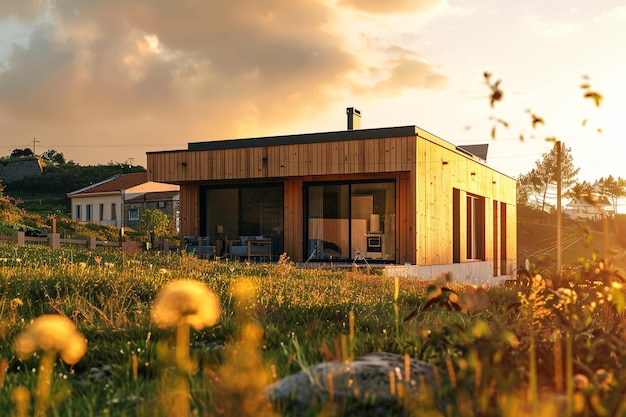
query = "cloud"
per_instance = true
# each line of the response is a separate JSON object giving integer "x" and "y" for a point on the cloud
{"x": 616, "y": 14}
{"x": 552, "y": 28}
{"x": 403, "y": 73}
{"x": 160, "y": 71}
{"x": 20, "y": 9}
{"x": 390, "y": 6}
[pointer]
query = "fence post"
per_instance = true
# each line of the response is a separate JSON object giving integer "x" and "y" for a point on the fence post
{"x": 91, "y": 242}
{"x": 54, "y": 240}
{"x": 21, "y": 238}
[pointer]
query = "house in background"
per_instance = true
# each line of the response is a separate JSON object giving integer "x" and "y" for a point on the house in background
{"x": 106, "y": 202}
{"x": 589, "y": 208}
{"x": 395, "y": 196}
{"x": 166, "y": 201}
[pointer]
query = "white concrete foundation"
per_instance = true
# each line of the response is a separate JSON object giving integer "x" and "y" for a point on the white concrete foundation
{"x": 475, "y": 273}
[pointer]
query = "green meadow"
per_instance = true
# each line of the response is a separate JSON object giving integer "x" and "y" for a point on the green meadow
{"x": 545, "y": 346}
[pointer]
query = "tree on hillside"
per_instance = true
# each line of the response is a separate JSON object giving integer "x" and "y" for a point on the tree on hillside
{"x": 51, "y": 155}
{"x": 539, "y": 180}
{"x": 20, "y": 153}
{"x": 579, "y": 190}
{"x": 611, "y": 188}
{"x": 527, "y": 187}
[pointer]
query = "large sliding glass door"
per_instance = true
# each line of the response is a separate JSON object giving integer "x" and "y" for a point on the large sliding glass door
{"x": 348, "y": 221}
{"x": 235, "y": 212}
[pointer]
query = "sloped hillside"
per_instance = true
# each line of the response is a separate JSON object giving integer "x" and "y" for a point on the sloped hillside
{"x": 46, "y": 194}
{"x": 537, "y": 239}
{"x": 14, "y": 218}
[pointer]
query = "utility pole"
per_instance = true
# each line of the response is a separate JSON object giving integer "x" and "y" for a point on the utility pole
{"x": 559, "y": 231}
{"x": 35, "y": 141}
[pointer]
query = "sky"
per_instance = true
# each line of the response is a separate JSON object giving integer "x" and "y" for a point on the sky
{"x": 105, "y": 81}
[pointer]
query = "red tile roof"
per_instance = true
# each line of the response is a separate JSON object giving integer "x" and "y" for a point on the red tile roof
{"x": 119, "y": 183}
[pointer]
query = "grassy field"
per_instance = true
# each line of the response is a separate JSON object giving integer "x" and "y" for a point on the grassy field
{"x": 515, "y": 352}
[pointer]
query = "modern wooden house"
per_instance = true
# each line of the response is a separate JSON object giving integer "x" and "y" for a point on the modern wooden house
{"x": 398, "y": 195}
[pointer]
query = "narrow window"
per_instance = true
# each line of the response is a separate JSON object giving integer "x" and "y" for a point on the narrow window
{"x": 89, "y": 213}
{"x": 456, "y": 225}
{"x": 101, "y": 214}
{"x": 79, "y": 212}
{"x": 113, "y": 212}
{"x": 475, "y": 227}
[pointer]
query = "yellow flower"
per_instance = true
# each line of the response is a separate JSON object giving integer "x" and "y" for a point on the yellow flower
{"x": 186, "y": 302}
{"x": 53, "y": 334}
{"x": 15, "y": 303}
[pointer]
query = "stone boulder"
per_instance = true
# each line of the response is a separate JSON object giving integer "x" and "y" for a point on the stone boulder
{"x": 374, "y": 384}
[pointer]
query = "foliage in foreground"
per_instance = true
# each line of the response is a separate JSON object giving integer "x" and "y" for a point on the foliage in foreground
{"x": 515, "y": 355}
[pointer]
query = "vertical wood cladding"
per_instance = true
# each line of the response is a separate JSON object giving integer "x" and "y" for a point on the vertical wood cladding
{"x": 426, "y": 169}
{"x": 340, "y": 157}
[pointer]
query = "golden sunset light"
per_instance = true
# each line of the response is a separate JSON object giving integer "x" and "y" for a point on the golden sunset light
{"x": 109, "y": 81}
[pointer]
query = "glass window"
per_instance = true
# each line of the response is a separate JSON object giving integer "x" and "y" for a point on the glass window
{"x": 351, "y": 221}
{"x": 133, "y": 214}
{"x": 246, "y": 211}
{"x": 79, "y": 212}
{"x": 113, "y": 212}
{"x": 328, "y": 208}
{"x": 101, "y": 212}
{"x": 475, "y": 227}
{"x": 89, "y": 212}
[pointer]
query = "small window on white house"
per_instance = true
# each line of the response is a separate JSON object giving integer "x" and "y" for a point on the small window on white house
{"x": 89, "y": 212}
{"x": 133, "y": 214}
{"x": 78, "y": 212}
{"x": 101, "y": 212}
{"x": 113, "y": 212}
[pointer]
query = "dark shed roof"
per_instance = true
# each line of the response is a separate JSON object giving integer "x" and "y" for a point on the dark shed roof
{"x": 386, "y": 132}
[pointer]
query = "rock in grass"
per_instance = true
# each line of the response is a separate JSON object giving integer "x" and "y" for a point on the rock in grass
{"x": 372, "y": 385}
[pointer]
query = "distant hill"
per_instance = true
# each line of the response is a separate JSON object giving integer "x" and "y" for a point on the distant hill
{"x": 580, "y": 241}
{"x": 46, "y": 194}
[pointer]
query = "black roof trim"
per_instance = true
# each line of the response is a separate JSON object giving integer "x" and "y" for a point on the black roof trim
{"x": 357, "y": 134}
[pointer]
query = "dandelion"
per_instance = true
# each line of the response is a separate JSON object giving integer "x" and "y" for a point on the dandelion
{"x": 581, "y": 382}
{"x": 186, "y": 302}
{"x": 604, "y": 379}
{"x": 53, "y": 335}
{"x": 181, "y": 304}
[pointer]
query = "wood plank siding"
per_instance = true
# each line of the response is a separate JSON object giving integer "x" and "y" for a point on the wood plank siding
{"x": 426, "y": 171}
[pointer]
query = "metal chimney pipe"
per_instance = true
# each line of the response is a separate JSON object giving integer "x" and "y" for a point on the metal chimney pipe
{"x": 354, "y": 118}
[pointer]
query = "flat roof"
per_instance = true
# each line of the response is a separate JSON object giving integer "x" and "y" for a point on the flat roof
{"x": 357, "y": 134}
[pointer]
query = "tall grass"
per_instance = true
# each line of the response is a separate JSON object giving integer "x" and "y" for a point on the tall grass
{"x": 499, "y": 360}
